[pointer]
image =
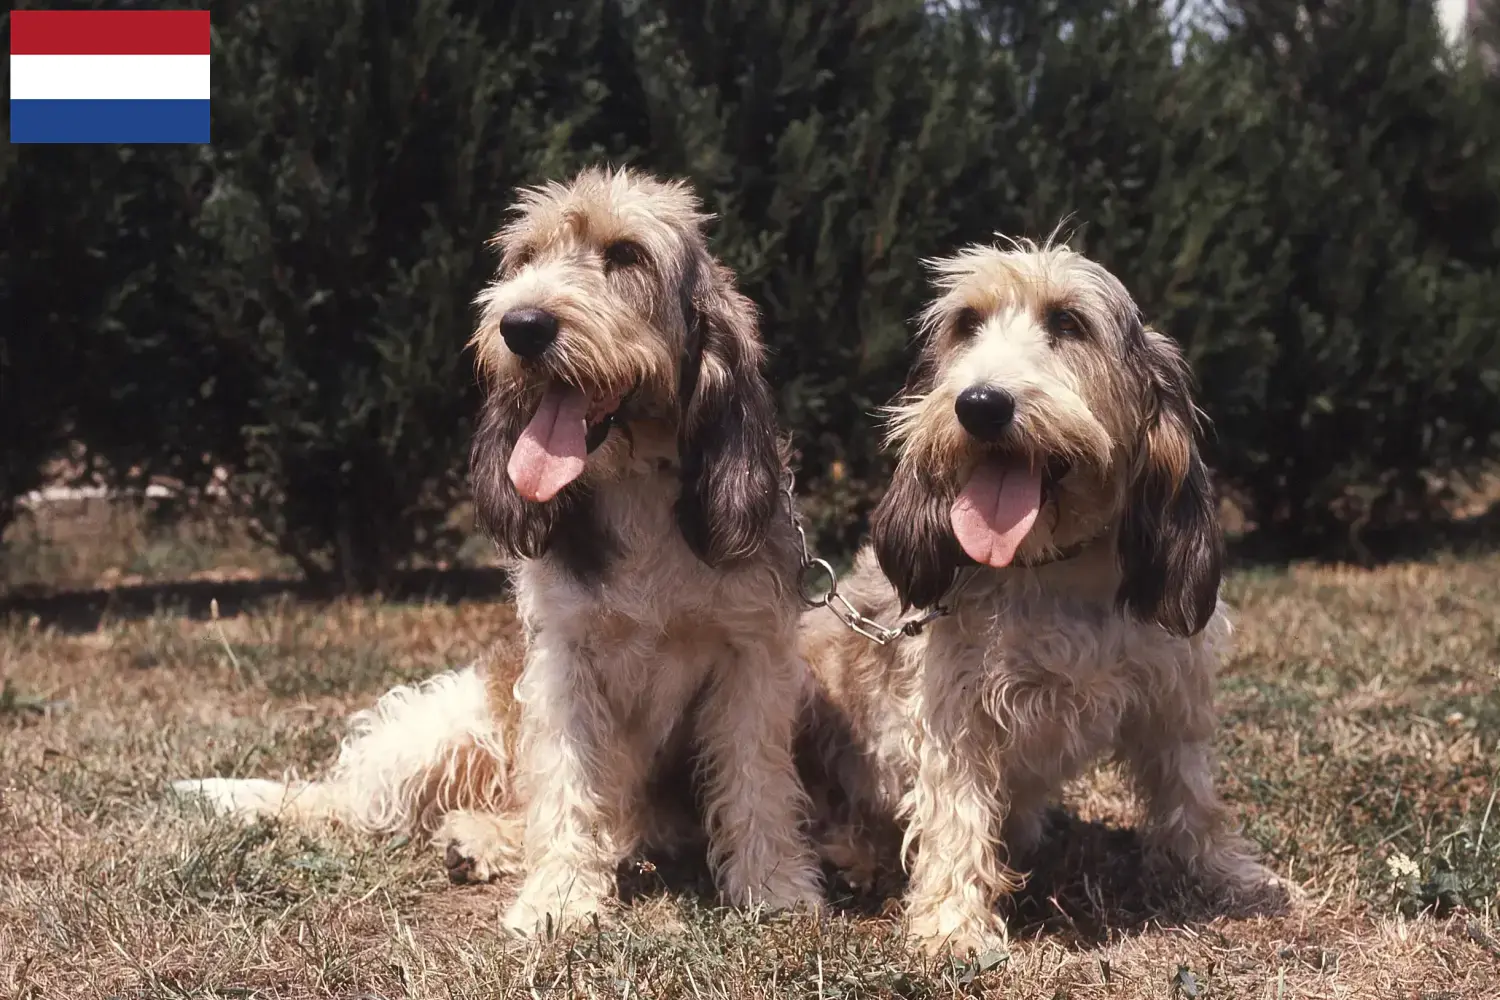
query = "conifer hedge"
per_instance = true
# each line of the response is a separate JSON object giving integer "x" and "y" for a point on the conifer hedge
{"x": 1309, "y": 201}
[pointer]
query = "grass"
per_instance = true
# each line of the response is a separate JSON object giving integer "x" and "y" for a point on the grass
{"x": 1361, "y": 746}
{"x": 108, "y": 543}
{"x": 114, "y": 543}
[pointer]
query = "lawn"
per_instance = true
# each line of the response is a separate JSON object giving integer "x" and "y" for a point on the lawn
{"x": 1360, "y": 745}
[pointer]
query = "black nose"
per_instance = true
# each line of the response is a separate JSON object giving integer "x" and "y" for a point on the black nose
{"x": 985, "y": 412}
{"x": 528, "y": 332}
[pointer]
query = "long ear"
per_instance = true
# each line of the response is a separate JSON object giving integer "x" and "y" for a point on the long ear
{"x": 911, "y": 528}
{"x": 564, "y": 526}
{"x": 731, "y": 467}
{"x": 517, "y": 526}
{"x": 913, "y": 538}
{"x": 1170, "y": 547}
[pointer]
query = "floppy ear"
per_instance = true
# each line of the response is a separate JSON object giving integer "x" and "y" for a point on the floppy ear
{"x": 517, "y": 526}
{"x": 731, "y": 467}
{"x": 913, "y": 538}
{"x": 1170, "y": 547}
{"x": 564, "y": 525}
{"x": 911, "y": 529}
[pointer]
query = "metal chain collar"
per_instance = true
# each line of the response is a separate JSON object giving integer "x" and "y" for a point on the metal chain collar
{"x": 836, "y": 602}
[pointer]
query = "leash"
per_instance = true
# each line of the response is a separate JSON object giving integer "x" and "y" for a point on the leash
{"x": 830, "y": 598}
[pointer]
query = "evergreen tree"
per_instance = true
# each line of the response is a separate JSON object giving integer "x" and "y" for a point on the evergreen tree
{"x": 49, "y": 224}
{"x": 837, "y": 144}
{"x": 363, "y": 154}
{"x": 1379, "y": 303}
{"x": 1308, "y": 197}
{"x": 88, "y": 270}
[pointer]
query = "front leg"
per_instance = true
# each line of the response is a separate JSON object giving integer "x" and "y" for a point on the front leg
{"x": 1187, "y": 823}
{"x": 1166, "y": 744}
{"x": 754, "y": 800}
{"x": 955, "y": 810}
{"x": 956, "y": 877}
{"x": 576, "y": 793}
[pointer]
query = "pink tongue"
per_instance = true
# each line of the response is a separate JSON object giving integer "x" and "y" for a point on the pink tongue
{"x": 994, "y": 512}
{"x": 551, "y": 450}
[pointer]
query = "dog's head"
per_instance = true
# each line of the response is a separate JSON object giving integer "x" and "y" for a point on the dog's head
{"x": 1042, "y": 414}
{"x": 608, "y": 321}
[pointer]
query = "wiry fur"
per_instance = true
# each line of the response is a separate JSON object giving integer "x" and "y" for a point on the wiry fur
{"x": 958, "y": 737}
{"x": 657, "y": 590}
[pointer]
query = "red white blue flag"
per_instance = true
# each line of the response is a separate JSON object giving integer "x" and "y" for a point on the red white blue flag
{"x": 109, "y": 76}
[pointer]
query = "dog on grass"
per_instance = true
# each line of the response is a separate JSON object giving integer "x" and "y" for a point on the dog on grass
{"x": 627, "y": 460}
{"x": 1049, "y": 495}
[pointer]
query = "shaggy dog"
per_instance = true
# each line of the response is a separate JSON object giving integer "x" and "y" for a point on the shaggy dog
{"x": 627, "y": 459}
{"x": 1049, "y": 498}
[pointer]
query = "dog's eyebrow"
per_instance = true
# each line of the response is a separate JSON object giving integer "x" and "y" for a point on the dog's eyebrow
{"x": 518, "y": 256}
{"x": 577, "y": 220}
{"x": 1049, "y": 308}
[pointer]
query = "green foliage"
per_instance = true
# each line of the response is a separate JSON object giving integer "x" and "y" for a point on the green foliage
{"x": 363, "y": 154}
{"x": 1310, "y": 202}
{"x": 88, "y": 269}
{"x": 1379, "y": 227}
{"x": 46, "y": 319}
{"x": 837, "y": 144}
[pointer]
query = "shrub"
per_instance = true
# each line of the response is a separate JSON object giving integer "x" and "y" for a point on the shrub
{"x": 1307, "y": 198}
{"x": 363, "y": 154}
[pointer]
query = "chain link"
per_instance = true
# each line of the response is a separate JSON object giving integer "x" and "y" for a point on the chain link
{"x": 830, "y": 598}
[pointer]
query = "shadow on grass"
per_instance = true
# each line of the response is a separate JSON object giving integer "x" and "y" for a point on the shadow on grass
{"x": 84, "y": 610}
{"x": 1088, "y": 884}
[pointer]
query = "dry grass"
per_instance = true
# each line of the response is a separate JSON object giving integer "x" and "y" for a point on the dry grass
{"x": 1360, "y": 744}
{"x": 102, "y": 542}
{"x": 113, "y": 543}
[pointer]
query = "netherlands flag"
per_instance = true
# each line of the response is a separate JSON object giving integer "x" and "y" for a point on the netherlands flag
{"x": 109, "y": 76}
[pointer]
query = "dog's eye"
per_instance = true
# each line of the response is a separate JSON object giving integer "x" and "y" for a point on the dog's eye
{"x": 519, "y": 258}
{"x": 1063, "y": 324}
{"x": 966, "y": 323}
{"x": 622, "y": 253}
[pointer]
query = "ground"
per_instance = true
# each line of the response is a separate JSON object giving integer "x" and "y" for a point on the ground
{"x": 1360, "y": 745}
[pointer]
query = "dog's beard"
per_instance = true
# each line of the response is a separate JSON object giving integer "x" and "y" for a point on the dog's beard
{"x": 553, "y": 449}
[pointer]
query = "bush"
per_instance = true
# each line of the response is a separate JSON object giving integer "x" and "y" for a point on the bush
{"x": 94, "y": 281}
{"x": 837, "y": 144}
{"x": 363, "y": 155}
{"x": 1366, "y": 209}
{"x": 1310, "y": 202}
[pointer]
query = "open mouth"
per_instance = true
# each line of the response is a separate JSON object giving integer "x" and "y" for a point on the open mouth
{"x": 999, "y": 504}
{"x": 601, "y": 420}
{"x": 551, "y": 452}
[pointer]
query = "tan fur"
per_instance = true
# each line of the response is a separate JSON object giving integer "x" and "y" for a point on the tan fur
{"x": 962, "y": 734}
{"x": 550, "y": 260}
{"x": 657, "y": 597}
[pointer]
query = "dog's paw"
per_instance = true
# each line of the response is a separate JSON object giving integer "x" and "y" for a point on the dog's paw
{"x": 545, "y": 907}
{"x": 1249, "y": 883}
{"x": 1237, "y": 882}
{"x": 478, "y": 847}
{"x": 795, "y": 885}
{"x": 952, "y": 929}
{"x": 783, "y": 899}
{"x": 466, "y": 869}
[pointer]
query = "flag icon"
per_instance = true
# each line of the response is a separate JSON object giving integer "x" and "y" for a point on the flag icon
{"x": 109, "y": 76}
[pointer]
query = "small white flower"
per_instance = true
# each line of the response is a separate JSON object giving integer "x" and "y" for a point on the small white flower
{"x": 1402, "y": 867}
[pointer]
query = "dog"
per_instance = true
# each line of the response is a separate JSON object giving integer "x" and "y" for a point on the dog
{"x": 627, "y": 462}
{"x": 1050, "y": 503}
